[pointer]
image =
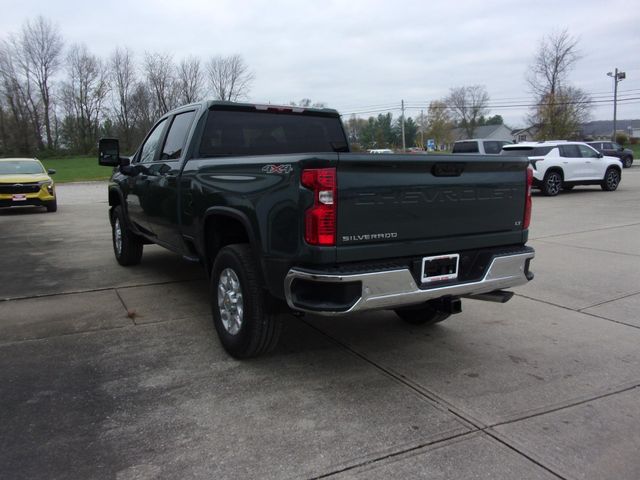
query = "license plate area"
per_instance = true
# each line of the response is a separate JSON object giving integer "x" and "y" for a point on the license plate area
{"x": 19, "y": 197}
{"x": 440, "y": 268}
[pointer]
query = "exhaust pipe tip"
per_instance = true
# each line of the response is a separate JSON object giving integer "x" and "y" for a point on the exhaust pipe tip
{"x": 498, "y": 296}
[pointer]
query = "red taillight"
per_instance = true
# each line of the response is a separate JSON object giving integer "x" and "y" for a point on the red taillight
{"x": 320, "y": 219}
{"x": 527, "y": 200}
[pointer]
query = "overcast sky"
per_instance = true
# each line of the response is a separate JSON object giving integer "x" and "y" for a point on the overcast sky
{"x": 357, "y": 55}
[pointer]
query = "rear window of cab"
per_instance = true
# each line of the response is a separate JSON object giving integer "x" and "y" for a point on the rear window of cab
{"x": 527, "y": 151}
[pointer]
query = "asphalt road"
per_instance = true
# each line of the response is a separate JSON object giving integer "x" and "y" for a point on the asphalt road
{"x": 111, "y": 372}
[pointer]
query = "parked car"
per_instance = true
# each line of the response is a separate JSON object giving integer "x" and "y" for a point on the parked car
{"x": 481, "y": 146}
{"x": 559, "y": 165}
{"x": 612, "y": 149}
{"x": 24, "y": 181}
{"x": 284, "y": 219}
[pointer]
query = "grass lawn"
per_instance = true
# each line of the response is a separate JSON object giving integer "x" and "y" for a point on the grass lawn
{"x": 636, "y": 151}
{"x": 77, "y": 169}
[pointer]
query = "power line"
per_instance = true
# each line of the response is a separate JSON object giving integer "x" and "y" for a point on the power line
{"x": 419, "y": 106}
{"x": 497, "y": 103}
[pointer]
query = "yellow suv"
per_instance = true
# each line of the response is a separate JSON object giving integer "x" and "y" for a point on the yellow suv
{"x": 24, "y": 181}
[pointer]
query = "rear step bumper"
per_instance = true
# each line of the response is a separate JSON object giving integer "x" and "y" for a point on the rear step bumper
{"x": 334, "y": 294}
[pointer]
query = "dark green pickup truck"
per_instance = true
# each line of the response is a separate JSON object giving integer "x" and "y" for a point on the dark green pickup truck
{"x": 284, "y": 218}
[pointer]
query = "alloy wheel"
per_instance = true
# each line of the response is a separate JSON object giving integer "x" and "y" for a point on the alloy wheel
{"x": 230, "y": 301}
{"x": 117, "y": 236}
{"x": 554, "y": 183}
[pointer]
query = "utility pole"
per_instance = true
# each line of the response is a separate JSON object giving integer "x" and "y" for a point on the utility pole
{"x": 422, "y": 128}
{"x": 617, "y": 77}
{"x": 404, "y": 145}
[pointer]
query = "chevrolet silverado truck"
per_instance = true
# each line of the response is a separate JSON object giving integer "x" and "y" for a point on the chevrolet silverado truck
{"x": 284, "y": 217}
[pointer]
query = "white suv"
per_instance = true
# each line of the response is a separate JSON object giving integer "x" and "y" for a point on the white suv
{"x": 559, "y": 165}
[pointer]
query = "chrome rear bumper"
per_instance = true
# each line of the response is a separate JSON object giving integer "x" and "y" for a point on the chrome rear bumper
{"x": 397, "y": 288}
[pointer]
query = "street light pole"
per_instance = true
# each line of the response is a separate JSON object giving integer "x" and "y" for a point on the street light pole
{"x": 617, "y": 77}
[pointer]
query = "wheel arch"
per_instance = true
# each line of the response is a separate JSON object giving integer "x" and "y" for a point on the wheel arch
{"x": 555, "y": 168}
{"x": 115, "y": 197}
{"x": 224, "y": 226}
{"x": 616, "y": 166}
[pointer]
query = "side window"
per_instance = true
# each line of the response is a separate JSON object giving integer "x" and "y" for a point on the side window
{"x": 587, "y": 152}
{"x": 148, "y": 150}
{"x": 569, "y": 151}
{"x": 465, "y": 147}
{"x": 493, "y": 146}
{"x": 541, "y": 151}
{"x": 177, "y": 136}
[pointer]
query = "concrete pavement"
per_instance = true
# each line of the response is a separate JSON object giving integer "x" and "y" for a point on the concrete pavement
{"x": 112, "y": 372}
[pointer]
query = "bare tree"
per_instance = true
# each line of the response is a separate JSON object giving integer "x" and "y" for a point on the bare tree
{"x": 83, "y": 95}
{"x": 123, "y": 82}
{"x": 160, "y": 74}
{"x": 557, "y": 53}
{"x": 467, "y": 105}
{"x": 141, "y": 111}
{"x": 189, "y": 80}
{"x": 307, "y": 102}
{"x": 24, "y": 124}
{"x": 560, "y": 108}
{"x": 42, "y": 45}
{"x": 229, "y": 77}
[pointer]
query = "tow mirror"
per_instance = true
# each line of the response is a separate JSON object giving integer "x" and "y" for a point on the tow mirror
{"x": 109, "y": 152}
{"x": 51, "y": 171}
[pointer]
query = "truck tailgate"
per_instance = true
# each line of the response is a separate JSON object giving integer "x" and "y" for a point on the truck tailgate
{"x": 430, "y": 203}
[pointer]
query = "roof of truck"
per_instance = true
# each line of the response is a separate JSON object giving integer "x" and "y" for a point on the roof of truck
{"x": 261, "y": 106}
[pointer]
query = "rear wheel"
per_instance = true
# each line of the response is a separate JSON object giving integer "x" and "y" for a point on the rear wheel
{"x": 425, "y": 314}
{"x": 241, "y": 316}
{"x": 627, "y": 161}
{"x": 611, "y": 180}
{"x": 552, "y": 183}
{"x": 127, "y": 246}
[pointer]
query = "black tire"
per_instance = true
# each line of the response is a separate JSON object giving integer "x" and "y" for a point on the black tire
{"x": 128, "y": 247}
{"x": 627, "y": 161}
{"x": 52, "y": 206}
{"x": 567, "y": 187}
{"x": 252, "y": 329}
{"x": 424, "y": 314}
{"x": 611, "y": 179}
{"x": 552, "y": 183}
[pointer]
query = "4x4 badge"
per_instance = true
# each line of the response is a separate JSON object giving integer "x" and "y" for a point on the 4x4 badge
{"x": 286, "y": 168}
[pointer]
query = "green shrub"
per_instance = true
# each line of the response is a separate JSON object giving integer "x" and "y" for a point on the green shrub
{"x": 621, "y": 138}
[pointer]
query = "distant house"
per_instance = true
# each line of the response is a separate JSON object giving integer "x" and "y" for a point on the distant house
{"x": 525, "y": 134}
{"x": 495, "y": 132}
